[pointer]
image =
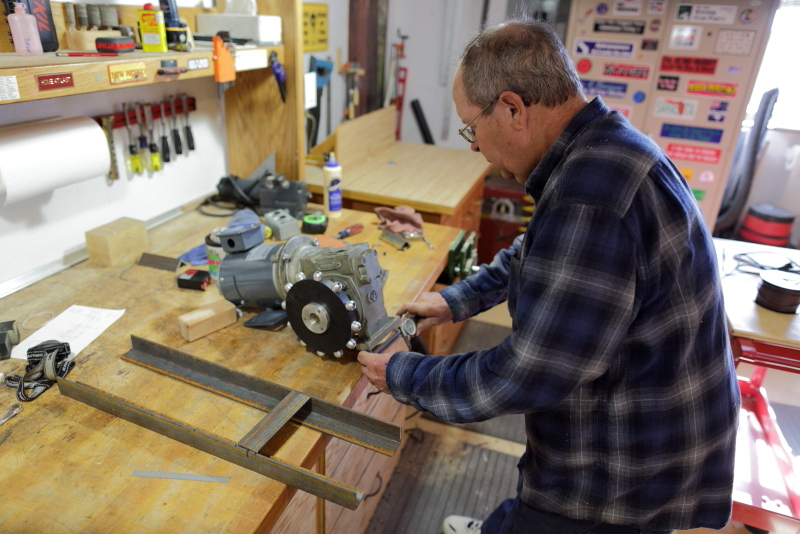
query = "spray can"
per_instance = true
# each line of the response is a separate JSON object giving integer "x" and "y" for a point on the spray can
{"x": 332, "y": 181}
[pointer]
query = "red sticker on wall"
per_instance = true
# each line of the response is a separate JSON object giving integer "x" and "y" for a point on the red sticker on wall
{"x": 584, "y": 65}
{"x": 693, "y": 153}
{"x": 695, "y": 65}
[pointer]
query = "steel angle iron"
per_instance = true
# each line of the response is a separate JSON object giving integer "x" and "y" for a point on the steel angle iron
{"x": 332, "y": 297}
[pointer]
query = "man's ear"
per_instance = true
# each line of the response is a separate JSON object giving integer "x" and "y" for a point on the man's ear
{"x": 514, "y": 109}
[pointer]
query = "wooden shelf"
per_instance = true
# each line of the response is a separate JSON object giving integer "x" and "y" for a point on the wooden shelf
{"x": 92, "y": 74}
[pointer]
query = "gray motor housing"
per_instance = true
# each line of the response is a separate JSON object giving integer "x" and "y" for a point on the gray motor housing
{"x": 248, "y": 278}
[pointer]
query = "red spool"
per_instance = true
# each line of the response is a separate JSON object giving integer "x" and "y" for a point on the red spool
{"x": 767, "y": 224}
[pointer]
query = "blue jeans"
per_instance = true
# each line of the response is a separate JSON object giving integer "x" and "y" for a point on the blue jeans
{"x": 515, "y": 517}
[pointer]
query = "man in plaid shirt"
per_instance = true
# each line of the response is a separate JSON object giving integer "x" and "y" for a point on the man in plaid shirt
{"x": 619, "y": 354}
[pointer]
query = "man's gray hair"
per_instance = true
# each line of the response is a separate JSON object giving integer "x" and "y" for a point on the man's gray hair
{"x": 522, "y": 56}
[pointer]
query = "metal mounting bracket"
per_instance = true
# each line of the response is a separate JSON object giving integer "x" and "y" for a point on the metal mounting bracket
{"x": 283, "y": 404}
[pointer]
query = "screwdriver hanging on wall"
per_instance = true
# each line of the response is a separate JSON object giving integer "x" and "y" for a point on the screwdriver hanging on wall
{"x": 164, "y": 139}
{"x": 155, "y": 158}
{"x": 143, "y": 146}
{"x": 187, "y": 130}
{"x": 176, "y": 135}
{"x": 134, "y": 161}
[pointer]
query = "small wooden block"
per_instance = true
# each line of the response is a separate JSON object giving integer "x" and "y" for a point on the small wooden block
{"x": 209, "y": 318}
{"x": 119, "y": 242}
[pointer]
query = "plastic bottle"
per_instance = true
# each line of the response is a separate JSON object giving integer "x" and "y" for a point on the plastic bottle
{"x": 152, "y": 31}
{"x": 332, "y": 179}
{"x": 24, "y": 32}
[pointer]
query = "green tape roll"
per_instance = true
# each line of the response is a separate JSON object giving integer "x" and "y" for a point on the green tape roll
{"x": 315, "y": 223}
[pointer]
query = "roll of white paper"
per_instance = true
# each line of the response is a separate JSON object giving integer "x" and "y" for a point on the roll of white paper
{"x": 40, "y": 157}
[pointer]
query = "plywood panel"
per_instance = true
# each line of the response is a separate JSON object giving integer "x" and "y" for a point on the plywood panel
{"x": 359, "y": 140}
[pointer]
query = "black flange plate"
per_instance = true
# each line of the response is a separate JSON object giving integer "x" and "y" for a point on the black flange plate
{"x": 337, "y": 333}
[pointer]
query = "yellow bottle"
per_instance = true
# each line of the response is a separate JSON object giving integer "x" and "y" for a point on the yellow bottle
{"x": 152, "y": 30}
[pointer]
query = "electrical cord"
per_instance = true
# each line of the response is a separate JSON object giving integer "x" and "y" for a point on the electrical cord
{"x": 242, "y": 200}
{"x": 755, "y": 262}
{"x": 213, "y": 201}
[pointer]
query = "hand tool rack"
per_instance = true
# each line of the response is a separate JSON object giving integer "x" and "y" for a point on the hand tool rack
{"x": 283, "y": 404}
{"x": 117, "y": 120}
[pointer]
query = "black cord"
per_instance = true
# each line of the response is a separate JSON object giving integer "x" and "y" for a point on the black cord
{"x": 214, "y": 200}
{"x": 748, "y": 262}
{"x": 240, "y": 201}
{"x": 380, "y": 485}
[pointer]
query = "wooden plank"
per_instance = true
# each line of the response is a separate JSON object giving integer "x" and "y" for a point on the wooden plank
{"x": 430, "y": 179}
{"x": 260, "y": 434}
{"x": 359, "y": 140}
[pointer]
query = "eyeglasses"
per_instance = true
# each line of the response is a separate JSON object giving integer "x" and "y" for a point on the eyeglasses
{"x": 467, "y": 132}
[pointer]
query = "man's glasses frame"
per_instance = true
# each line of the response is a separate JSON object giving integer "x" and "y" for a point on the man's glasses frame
{"x": 467, "y": 132}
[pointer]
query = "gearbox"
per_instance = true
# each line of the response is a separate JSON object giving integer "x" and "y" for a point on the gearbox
{"x": 332, "y": 297}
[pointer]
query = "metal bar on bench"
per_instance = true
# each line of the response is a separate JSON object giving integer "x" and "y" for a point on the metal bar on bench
{"x": 288, "y": 474}
{"x": 260, "y": 434}
{"x": 317, "y": 414}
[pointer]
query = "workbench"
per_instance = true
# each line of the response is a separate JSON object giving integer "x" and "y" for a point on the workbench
{"x": 445, "y": 185}
{"x": 66, "y": 467}
{"x": 765, "y": 485}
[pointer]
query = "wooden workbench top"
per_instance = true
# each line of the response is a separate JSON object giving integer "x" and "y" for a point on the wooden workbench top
{"x": 746, "y": 318}
{"x": 66, "y": 467}
{"x": 428, "y": 178}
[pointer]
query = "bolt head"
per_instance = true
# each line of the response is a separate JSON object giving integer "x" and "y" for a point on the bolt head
{"x": 351, "y": 344}
{"x": 320, "y": 353}
{"x": 283, "y": 304}
{"x": 336, "y": 287}
{"x": 302, "y": 342}
{"x": 350, "y": 305}
{"x": 317, "y": 276}
{"x": 355, "y": 326}
{"x": 300, "y": 276}
{"x": 338, "y": 354}
{"x": 287, "y": 286}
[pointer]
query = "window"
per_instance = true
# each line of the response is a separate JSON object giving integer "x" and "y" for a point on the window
{"x": 779, "y": 69}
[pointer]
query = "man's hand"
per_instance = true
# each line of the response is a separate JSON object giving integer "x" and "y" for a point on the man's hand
{"x": 431, "y": 308}
{"x": 373, "y": 366}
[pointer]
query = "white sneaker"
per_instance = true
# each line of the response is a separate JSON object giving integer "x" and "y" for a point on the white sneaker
{"x": 458, "y": 524}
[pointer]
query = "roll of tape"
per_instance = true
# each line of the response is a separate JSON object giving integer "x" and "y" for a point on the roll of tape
{"x": 314, "y": 223}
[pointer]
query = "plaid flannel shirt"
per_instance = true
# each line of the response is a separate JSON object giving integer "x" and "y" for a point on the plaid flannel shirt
{"x": 619, "y": 355}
